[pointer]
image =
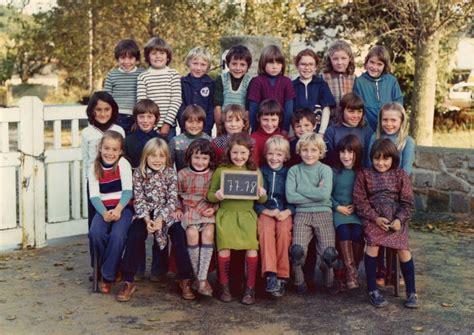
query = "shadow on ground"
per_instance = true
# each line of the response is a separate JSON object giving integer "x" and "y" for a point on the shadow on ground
{"x": 46, "y": 291}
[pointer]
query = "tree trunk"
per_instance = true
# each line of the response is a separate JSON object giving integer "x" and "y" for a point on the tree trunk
{"x": 91, "y": 46}
{"x": 426, "y": 75}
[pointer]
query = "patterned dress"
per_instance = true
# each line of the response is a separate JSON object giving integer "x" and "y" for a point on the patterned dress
{"x": 192, "y": 190}
{"x": 389, "y": 195}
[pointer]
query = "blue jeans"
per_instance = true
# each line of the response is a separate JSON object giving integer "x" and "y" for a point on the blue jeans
{"x": 135, "y": 250}
{"x": 108, "y": 241}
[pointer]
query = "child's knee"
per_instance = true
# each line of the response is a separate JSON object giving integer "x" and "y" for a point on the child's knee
{"x": 404, "y": 255}
{"x": 297, "y": 254}
{"x": 329, "y": 256}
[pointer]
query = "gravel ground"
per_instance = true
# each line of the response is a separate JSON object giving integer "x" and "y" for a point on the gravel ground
{"x": 46, "y": 291}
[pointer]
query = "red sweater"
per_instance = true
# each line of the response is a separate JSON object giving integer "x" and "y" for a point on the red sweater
{"x": 260, "y": 137}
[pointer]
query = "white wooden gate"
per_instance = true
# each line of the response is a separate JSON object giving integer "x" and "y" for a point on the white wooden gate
{"x": 42, "y": 188}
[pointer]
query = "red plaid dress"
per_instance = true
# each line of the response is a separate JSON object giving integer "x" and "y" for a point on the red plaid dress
{"x": 192, "y": 192}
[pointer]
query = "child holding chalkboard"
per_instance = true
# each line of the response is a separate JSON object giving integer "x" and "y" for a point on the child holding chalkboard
{"x": 275, "y": 217}
{"x": 236, "y": 220}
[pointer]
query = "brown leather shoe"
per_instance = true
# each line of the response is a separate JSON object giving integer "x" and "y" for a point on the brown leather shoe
{"x": 225, "y": 294}
{"x": 186, "y": 291}
{"x": 204, "y": 288}
{"x": 105, "y": 287}
{"x": 126, "y": 292}
{"x": 249, "y": 296}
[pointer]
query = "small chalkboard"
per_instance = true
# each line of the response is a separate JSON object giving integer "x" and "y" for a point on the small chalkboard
{"x": 240, "y": 184}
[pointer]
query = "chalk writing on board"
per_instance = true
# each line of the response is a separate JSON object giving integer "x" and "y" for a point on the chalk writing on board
{"x": 240, "y": 184}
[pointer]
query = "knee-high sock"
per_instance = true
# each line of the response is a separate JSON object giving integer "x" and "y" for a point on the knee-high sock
{"x": 193, "y": 251}
{"x": 408, "y": 271}
{"x": 224, "y": 264}
{"x": 204, "y": 260}
{"x": 252, "y": 264}
{"x": 370, "y": 272}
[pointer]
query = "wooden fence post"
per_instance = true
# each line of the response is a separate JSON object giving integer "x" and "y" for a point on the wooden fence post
{"x": 32, "y": 178}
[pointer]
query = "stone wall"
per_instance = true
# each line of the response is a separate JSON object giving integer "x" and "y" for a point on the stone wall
{"x": 443, "y": 180}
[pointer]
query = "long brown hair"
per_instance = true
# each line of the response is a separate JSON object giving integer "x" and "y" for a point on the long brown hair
{"x": 113, "y": 135}
{"x": 244, "y": 140}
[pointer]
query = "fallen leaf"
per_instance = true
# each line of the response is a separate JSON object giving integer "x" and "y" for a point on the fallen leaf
{"x": 2, "y": 280}
{"x": 19, "y": 277}
{"x": 11, "y": 317}
{"x": 417, "y": 328}
{"x": 58, "y": 264}
{"x": 79, "y": 282}
{"x": 39, "y": 302}
{"x": 69, "y": 268}
{"x": 429, "y": 226}
{"x": 447, "y": 304}
{"x": 154, "y": 319}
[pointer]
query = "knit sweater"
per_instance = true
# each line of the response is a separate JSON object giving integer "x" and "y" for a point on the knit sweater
{"x": 91, "y": 137}
{"x": 163, "y": 86}
{"x": 303, "y": 187}
{"x": 375, "y": 92}
{"x": 260, "y": 137}
{"x": 336, "y": 133}
{"x": 112, "y": 188}
{"x": 343, "y": 185}
{"x": 230, "y": 90}
{"x": 123, "y": 87}
{"x": 279, "y": 88}
{"x": 407, "y": 155}
{"x": 178, "y": 146}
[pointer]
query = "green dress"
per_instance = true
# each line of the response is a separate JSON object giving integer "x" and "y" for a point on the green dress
{"x": 236, "y": 220}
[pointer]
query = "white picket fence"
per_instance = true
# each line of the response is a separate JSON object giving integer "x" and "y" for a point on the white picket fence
{"x": 43, "y": 195}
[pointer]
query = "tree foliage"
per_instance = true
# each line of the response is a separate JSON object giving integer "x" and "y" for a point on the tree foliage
{"x": 418, "y": 33}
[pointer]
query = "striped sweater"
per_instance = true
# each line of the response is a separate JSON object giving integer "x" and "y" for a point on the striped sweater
{"x": 163, "y": 86}
{"x": 123, "y": 87}
{"x": 113, "y": 188}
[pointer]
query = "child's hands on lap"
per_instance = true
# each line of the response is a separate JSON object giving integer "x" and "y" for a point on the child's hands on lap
{"x": 396, "y": 225}
{"x": 345, "y": 210}
{"x": 208, "y": 212}
{"x": 271, "y": 212}
{"x": 283, "y": 215}
{"x": 108, "y": 216}
{"x": 116, "y": 213}
{"x": 383, "y": 223}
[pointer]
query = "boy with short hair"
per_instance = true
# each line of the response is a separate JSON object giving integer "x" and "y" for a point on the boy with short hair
{"x": 231, "y": 87}
{"x": 303, "y": 121}
{"x": 269, "y": 116}
{"x": 161, "y": 84}
{"x": 309, "y": 187}
{"x": 121, "y": 82}
{"x": 197, "y": 87}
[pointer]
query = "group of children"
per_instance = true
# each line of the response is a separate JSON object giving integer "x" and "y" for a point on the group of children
{"x": 341, "y": 179}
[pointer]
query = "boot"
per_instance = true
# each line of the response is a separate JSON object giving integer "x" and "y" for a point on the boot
{"x": 351, "y": 271}
{"x": 186, "y": 291}
{"x": 358, "y": 249}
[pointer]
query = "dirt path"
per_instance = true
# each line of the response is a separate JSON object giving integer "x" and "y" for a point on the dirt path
{"x": 46, "y": 291}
